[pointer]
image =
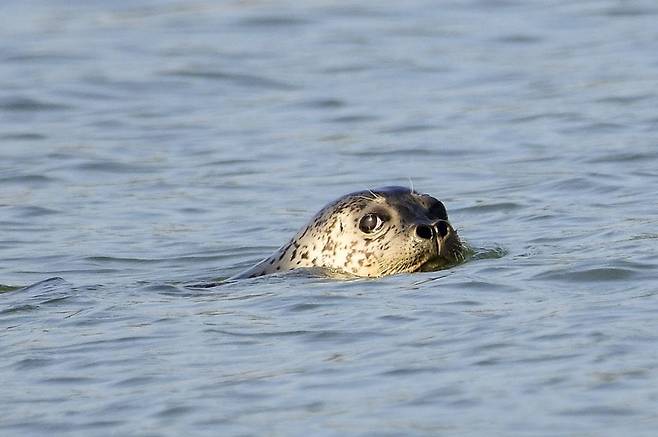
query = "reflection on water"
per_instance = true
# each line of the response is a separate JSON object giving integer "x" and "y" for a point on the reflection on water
{"x": 147, "y": 145}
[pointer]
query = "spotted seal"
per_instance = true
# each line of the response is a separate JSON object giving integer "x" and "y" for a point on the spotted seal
{"x": 370, "y": 233}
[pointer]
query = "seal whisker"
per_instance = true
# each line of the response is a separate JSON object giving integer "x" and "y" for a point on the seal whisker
{"x": 375, "y": 196}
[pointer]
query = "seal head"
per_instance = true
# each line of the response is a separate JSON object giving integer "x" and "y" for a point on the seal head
{"x": 371, "y": 233}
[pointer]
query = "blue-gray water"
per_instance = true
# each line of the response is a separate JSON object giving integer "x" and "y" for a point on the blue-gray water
{"x": 145, "y": 145}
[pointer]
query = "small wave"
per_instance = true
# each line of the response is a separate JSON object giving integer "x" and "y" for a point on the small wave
{"x": 7, "y": 288}
{"x": 322, "y": 103}
{"x": 354, "y": 118}
{"x": 404, "y": 152}
{"x": 409, "y": 128}
{"x": 519, "y": 38}
{"x": 269, "y": 21}
{"x": 604, "y": 411}
{"x": 114, "y": 167}
{"x": 26, "y": 104}
{"x": 23, "y": 136}
{"x": 242, "y": 79}
{"x": 490, "y": 207}
{"x": 26, "y": 179}
{"x": 623, "y": 10}
{"x": 595, "y": 274}
{"x": 625, "y": 156}
{"x": 495, "y": 252}
{"x": 35, "y": 211}
{"x": 45, "y": 285}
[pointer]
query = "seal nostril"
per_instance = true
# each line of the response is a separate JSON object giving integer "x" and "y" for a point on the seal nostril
{"x": 442, "y": 229}
{"x": 424, "y": 231}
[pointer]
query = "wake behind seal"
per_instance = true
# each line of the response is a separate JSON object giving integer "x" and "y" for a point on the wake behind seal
{"x": 370, "y": 233}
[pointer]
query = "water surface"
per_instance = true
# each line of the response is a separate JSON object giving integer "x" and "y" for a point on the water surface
{"x": 147, "y": 145}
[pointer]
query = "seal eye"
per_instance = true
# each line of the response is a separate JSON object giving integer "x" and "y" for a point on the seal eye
{"x": 369, "y": 223}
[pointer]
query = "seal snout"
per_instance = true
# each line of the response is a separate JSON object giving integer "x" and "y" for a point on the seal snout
{"x": 440, "y": 229}
{"x": 425, "y": 232}
{"x": 442, "y": 237}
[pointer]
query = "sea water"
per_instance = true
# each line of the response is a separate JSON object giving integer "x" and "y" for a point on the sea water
{"x": 149, "y": 145}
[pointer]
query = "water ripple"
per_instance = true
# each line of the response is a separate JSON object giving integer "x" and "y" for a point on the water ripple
{"x": 240, "y": 79}
{"x": 23, "y": 136}
{"x": 27, "y": 180}
{"x": 273, "y": 21}
{"x": 588, "y": 275}
{"x": 26, "y": 104}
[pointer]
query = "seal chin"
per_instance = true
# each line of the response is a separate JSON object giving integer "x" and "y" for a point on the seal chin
{"x": 437, "y": 263}
{"x": 449, "y": 253}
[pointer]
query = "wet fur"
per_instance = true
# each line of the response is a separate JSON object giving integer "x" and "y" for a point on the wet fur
{"x": 332, "y": 239}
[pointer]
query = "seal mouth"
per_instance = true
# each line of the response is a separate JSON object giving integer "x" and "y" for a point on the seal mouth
{"x": 449, "y": 252}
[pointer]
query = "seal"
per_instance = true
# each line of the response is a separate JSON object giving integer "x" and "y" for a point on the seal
{"x": 370, "y": 233}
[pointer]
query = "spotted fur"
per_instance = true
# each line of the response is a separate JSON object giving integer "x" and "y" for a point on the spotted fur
{"x": 332, "y": 240}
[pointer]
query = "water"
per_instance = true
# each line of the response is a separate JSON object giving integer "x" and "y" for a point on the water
{"x": 148, "y": 145}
